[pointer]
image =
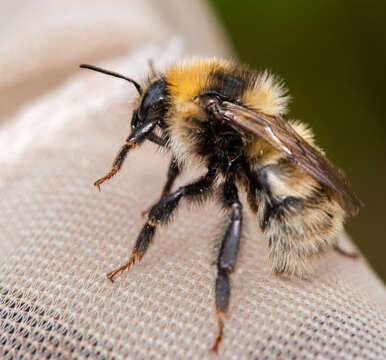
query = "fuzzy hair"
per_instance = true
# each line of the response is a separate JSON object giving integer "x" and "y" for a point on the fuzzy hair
{"x": 267, "y": 94}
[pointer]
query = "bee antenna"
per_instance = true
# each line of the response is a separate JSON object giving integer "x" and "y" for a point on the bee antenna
{"x": 151, "y": 66}
{"x": 112, "y": 73}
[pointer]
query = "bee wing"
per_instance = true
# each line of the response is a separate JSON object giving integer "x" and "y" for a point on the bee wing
{"x": 281, "y": 135}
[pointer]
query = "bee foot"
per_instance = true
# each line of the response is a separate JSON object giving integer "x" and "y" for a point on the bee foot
{"x": 112, "y": 274}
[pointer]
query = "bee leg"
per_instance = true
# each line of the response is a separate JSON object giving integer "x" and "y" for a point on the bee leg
{"x": 173, "y": 172}
{"x": 343, "y": 252}
{"x": 160, "y": 213}
{"x": 138, "y": 134}
{"x": 161, "y": 141}
{"x": 227, "y": 256}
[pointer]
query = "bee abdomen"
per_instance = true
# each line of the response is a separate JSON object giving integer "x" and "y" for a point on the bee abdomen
{"x": 277, "y": 211}
{"x": 299, "y": 230}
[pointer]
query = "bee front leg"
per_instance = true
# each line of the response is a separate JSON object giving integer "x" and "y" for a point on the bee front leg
{"x": 138, "y": 134}
{"x": 227, "y": 256}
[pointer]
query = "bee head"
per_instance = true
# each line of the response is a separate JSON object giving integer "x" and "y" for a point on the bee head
{"x": 153, "y": 103}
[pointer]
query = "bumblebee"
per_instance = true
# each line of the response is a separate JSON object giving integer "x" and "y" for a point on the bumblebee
{"x": 228, "y": 119}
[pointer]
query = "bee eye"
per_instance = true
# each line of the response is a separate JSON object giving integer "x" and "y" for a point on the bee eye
{"x": 147, "y": 110}
{"x": 153, "y": 100}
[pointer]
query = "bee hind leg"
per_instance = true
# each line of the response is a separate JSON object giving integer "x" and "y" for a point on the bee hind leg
{"x": 160, "y": 213}
{"x": 227, "y": 256}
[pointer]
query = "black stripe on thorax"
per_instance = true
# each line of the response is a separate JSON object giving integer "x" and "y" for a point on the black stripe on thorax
{"x": 230, "y": 84}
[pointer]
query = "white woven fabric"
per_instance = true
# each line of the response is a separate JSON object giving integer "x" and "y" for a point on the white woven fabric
{"x": 59, "y": 236}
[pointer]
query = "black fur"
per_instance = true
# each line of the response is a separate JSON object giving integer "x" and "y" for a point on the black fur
{"x": 217, "y": 143}
{"x": 230, "y": 86}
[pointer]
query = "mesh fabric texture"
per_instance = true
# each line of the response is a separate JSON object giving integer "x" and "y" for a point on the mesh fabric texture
{"x": 59, "y": 236}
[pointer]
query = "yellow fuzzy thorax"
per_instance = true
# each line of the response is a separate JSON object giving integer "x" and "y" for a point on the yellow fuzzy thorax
{"x": 188, "y": 79}
{"x": 264, "y": 92}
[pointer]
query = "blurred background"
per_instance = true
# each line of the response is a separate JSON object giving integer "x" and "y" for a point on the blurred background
{"x": 332, "y": 56}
